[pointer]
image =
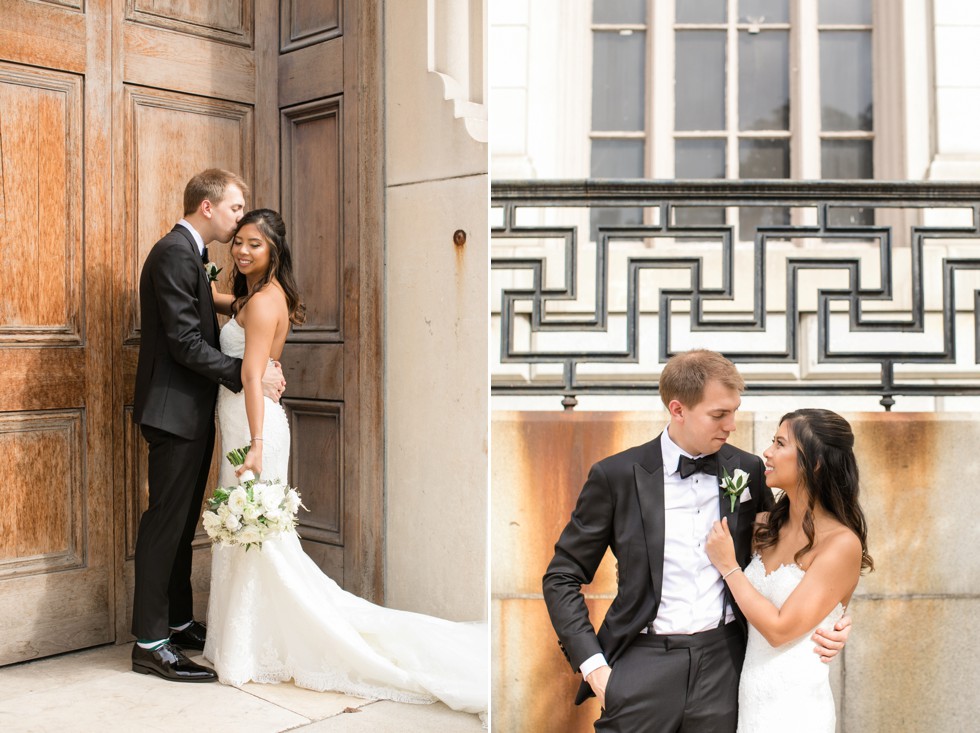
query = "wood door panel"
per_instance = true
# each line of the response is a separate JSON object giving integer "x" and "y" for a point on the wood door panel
{"x": 305, "y": 22}
{"x": 42, "y": 525}
{"x": 314, "y": 371}
{"x": 67, "y": 611}
{"x": 168, "y": 60}
{"x": 42, "y": 379}
{"x": 223, "y": 20}
{"x": 40, "y": 206}
{"x": 313, "y": 195}
{"x": 43, "y": 34}
{"x": 312, "y": 72}
{"x": 214, "y": 133}
{"x": 317, "y": 429}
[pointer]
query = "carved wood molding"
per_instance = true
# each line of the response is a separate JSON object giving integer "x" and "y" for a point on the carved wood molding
{"x": 235, "y": 25}
{"x": 45, "y": 457}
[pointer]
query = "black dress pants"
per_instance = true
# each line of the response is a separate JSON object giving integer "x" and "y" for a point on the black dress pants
{"x": 667, "y": 684}
{"x": 178, "y": 472}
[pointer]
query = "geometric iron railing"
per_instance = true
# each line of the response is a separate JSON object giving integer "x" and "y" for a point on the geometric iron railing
{"x": 798, "y": 275}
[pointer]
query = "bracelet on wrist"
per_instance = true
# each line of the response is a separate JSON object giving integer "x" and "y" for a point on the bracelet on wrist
{"x": 725, "y": 576}
{"x": 254, "y": 439}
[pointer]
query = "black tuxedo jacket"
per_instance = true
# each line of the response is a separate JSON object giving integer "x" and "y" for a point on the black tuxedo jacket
{"x": 622, "y": 507}
{"x": 180, "y": 364}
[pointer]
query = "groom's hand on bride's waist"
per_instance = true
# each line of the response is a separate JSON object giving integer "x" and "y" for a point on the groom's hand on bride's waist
{"x": 273, "y": 383}
{"x": 829, "y": 643}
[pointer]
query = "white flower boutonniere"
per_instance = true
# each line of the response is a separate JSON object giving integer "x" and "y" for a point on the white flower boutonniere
{"x": 212, "y": 271}
{"x": 733, "y": 486}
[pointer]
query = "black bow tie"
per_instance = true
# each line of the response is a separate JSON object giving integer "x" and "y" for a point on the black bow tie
{"x": 204, "y": 256}
{"x": 690, "y": 466}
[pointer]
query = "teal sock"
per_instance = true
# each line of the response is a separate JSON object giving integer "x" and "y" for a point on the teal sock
{"x": 182, "y": 626}
{"x": 150, "y": 644}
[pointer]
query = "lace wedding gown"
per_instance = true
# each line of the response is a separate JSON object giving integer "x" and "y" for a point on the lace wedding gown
{"x": 786, "y": 687}
{"x": 273, "y": 615}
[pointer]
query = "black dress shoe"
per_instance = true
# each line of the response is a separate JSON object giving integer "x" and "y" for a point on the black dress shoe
{"x": 169, "y": 662}
{"x": 193, "y": 637}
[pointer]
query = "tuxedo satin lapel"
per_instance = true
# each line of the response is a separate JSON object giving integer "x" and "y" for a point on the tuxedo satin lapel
{"x": 650, "y": 494}
{"x": 727, "y": 461}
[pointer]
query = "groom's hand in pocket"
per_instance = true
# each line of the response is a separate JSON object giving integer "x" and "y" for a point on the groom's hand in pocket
{"x": 829, "y": 643}
{"x": 597, "y": 679}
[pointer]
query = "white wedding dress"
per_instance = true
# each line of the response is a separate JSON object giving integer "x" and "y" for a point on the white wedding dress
{"x": 274, "y": 616}
{"x": 786, "y": 687}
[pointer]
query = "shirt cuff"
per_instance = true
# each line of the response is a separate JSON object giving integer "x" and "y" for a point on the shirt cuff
{"x": 593, "y": 663}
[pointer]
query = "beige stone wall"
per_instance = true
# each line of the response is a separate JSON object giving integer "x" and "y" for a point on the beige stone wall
{"x": 436, "y": 303}
{"x": 911, "y": 663}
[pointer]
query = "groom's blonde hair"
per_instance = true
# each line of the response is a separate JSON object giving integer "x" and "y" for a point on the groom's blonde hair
{"x": 685, "y": 376}
{"x": 210, "y": 185}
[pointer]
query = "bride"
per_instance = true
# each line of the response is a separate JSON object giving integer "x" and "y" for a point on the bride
{"x": 273, "y": 615}
{"x": 810, "y": 551}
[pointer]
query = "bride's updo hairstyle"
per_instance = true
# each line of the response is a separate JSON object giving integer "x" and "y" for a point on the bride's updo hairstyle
{"x": 829, "y": 474}
{"x": 280, "y": 265}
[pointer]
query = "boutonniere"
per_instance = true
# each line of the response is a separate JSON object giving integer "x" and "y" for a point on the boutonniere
{"x": 212, "y": 271}
{"x": 733, "y": 486}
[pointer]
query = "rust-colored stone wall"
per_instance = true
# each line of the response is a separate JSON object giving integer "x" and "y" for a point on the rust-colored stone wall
{"x": 911, "y": 663}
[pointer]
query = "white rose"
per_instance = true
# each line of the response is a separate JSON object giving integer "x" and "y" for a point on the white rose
{"x": 231, "y": 522}
{"x": 291, "y": 501}
{"x": 237, "y": 501}
{"x": 271, "y": 498}
{"x": 273, "y": 517}
{"x": 249, "y": 535}
{"x": 250, "y": 513}
{"x": 211, "y": 522}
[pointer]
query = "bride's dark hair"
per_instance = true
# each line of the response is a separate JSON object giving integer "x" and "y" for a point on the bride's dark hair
{"x": 828, "y": 470}
{"x": 280, "y": 265}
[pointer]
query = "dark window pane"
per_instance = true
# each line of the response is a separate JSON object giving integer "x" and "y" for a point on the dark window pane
{"x": 616, "y": 159}
{"x": 618, "y": 80}
{"x": 699, "y": 216}
{"x": 619, "y": 11}
{"x": 849, "y": 216}
{"x": 700, "y": 11}
{"x": 751, "y": 218}
{"x": 763, "y": 11}
{"x": 758, "y": 158}
{"x": 762, "y": 159}
{"x": 601, "y": 216}
{"x": 699, "y": 87}
{"x": 845, "y": 80}
{"x": 763, "y": 80}
{"x": 846, "y": 159}
{"x": 699, "y": 159}
{"x": 845, "y": 12}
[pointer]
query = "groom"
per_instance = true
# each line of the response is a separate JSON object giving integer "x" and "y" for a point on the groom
{"x": 672, "y": 634}
{"x": 177, "y": 376}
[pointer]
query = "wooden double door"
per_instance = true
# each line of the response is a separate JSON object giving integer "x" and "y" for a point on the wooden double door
{"x": 107, "y": 107}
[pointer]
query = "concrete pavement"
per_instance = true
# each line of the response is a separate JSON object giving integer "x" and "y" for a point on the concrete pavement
{"x": 96, "y": 691}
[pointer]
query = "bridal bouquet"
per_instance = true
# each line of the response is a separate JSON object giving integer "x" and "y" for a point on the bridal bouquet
{"x": 251, "y": 512}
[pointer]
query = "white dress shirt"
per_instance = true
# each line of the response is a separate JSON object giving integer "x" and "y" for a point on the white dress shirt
{"x": 197, "y": 237}
{"x": 693, "y": 594}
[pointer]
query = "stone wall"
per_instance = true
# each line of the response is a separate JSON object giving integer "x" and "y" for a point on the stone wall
{"x": 435, "y": 311}
{"x": 910, "y": 664}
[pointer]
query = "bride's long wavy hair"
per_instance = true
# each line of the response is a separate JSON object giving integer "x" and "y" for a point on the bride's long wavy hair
{"x": 271, "y": 225}
{"x": 829, "y": 473}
